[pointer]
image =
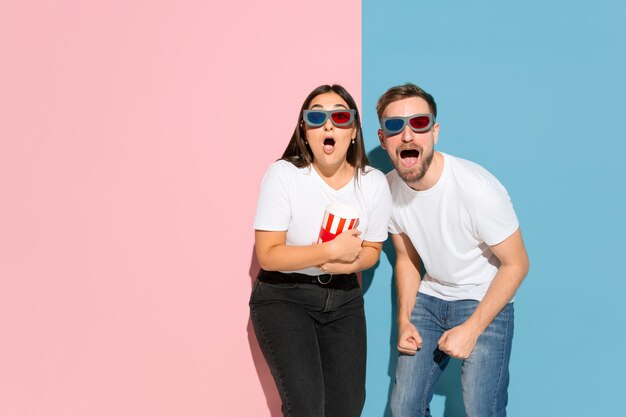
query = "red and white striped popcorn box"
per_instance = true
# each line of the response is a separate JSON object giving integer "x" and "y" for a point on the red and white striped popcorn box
{"x": 337, "y": 218}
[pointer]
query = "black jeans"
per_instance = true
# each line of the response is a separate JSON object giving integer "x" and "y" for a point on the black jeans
{"x": 313, "y": 338}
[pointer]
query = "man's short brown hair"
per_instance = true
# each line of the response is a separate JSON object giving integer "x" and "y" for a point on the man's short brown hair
{"x": 400, "y": 92}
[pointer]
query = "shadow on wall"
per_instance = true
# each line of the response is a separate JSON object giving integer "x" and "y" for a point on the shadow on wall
{"x": 262, "y": 370}
{"x": 378, "y": 159}
{"x": 449, "y": 385}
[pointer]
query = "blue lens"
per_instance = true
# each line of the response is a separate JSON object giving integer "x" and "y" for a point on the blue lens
{"x": 316, "y": 117}
{"x": 394, "y": 125}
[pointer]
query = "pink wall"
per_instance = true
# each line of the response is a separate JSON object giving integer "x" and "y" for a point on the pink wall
{"x": 133, "y": 138}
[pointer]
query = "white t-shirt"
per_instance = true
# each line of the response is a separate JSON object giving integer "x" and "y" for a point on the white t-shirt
{"x": 294, "y": 199}
{"x": 452, "y": 224}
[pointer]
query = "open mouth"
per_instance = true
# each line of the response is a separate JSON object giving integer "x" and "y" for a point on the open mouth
{"x": 329, "y": 145}
{"x": 409, "y": 156}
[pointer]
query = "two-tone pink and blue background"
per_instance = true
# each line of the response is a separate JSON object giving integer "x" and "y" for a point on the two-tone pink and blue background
{"x": 133, "y": 139}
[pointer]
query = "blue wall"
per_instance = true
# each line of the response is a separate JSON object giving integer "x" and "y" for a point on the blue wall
{"x": 534, "y": 91}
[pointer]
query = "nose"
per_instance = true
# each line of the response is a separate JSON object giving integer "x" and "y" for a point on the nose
{"x": 407, "y": 134}
{"x": 328, "y": 125}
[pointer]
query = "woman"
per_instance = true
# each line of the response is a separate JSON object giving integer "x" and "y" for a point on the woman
{"x": 307, "y": 305}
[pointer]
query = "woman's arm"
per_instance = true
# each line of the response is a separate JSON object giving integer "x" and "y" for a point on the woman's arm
{"x": 274, "y": 254}
{"x": 368, "y": 256}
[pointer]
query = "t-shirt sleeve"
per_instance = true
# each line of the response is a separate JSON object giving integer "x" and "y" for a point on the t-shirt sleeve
{"x": 273, "y": 210}
{"x": 380, "y": 211}
{"x": 494, "y": 216}
{"x": 393, "y": 227}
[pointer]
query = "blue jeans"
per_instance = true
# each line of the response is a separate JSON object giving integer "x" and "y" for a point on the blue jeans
{"x": 485, "y": 374}
{"x": 313, "y": 339}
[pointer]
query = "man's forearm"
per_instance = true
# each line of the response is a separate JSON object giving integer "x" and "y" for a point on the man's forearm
{"x": 500, "y": 293}
{"x": 407, "y": 283}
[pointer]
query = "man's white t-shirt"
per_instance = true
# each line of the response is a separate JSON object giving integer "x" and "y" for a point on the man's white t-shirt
{"x": 294, "y": 199}
{"x": 452, "y": 225}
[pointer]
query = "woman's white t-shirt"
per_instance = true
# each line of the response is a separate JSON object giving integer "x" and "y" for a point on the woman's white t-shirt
{"x": 294, "y": 199}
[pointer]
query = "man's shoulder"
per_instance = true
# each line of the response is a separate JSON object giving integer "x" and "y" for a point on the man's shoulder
{"x": 396, "y": 183}
{"x": 372, "y": 174}
{"x": 473, "y": 181}
{"x": 393, "y": 177}
{"x": 469, "y": 173}
{"x": 464, "y": 164}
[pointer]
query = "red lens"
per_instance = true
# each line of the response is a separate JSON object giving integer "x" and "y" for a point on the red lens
{"x": 341, "y": 117}
{"x": 420, "y": 122}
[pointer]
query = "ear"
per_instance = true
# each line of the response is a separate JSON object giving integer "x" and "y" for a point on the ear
{"x": 435, "y": 132}
{"x": 303, "y": 127}
{"x": 381, "y": 138}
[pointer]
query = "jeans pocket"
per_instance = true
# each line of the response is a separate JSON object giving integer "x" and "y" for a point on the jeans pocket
{"x": 281, "y": 285}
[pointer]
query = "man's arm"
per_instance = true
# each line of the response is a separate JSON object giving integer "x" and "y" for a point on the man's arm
{"x": 459, "y": 341}
{"x": 408, "y": 280}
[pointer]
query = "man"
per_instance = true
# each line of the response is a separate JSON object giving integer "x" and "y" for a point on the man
{"x": 456, "y": 218}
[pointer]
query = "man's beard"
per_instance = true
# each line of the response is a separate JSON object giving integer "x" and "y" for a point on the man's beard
{"x": 416, "y": 172}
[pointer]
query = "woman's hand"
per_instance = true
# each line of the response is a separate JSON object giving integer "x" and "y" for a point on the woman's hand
{"x": 338, "y": 267}
{"x": 367, "y": 257}
{"x": 346, "y": 246}
{"x": 345, "y": 254}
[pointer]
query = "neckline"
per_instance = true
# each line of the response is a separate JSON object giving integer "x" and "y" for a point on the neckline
{"x": 319, "y": 179}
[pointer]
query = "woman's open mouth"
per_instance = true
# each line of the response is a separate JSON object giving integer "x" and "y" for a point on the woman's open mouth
{"x": 329, "y": 145}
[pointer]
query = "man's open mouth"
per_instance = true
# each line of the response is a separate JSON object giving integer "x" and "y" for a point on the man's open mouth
{"x": 409, "y": 156}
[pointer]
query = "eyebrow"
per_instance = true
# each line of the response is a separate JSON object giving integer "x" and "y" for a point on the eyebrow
{"x": 335, "y": 106}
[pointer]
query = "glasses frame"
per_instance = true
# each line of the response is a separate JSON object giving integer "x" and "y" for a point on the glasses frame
{"x": 407, "y": 121}
{"x": 327, "y": 114}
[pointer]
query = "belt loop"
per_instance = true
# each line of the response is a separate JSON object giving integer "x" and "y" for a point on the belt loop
{"x": 327, "y": 282}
